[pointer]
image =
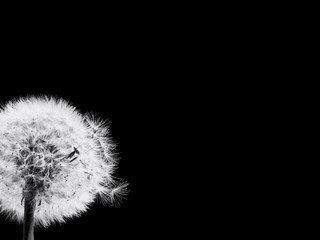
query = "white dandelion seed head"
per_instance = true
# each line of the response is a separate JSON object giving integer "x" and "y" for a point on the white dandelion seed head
{"x": 66, "y": 158}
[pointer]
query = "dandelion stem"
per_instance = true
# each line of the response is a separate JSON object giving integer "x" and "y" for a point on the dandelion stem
{"x": 28, "y": 221}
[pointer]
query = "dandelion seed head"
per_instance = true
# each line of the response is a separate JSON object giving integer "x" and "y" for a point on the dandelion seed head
{"x": 66, "y": 158}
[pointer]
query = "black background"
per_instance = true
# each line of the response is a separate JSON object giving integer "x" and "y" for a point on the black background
{"x": 127, "y": 70}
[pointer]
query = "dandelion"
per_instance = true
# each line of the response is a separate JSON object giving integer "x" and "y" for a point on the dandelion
{"x": 54, "y": 162}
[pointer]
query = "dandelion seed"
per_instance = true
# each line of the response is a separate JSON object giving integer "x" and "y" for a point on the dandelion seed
{"x": 118, "y": 194}
{"x": 42, "y": 142}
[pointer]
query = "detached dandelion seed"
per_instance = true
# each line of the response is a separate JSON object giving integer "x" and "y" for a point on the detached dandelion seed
{"x": 54, "y": 162}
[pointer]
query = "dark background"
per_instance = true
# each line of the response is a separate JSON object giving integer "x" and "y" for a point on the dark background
{"x": 127, "y": 69}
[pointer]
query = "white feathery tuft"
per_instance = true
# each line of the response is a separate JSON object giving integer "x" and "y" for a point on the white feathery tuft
{"x": 69, "y": 158}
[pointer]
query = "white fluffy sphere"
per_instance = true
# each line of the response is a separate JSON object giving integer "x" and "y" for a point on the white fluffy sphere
{"x": 66, "y": 156}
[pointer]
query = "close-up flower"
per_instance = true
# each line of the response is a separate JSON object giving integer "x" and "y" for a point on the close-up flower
{"x": 54, "y": 162}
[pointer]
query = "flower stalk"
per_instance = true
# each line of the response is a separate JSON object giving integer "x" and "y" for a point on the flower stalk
{"x": 28, "y": 221}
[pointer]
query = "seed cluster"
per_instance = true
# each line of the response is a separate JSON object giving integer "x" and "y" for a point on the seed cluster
{"x": 39, "y": 164}
{"x": 65, "y": 158}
